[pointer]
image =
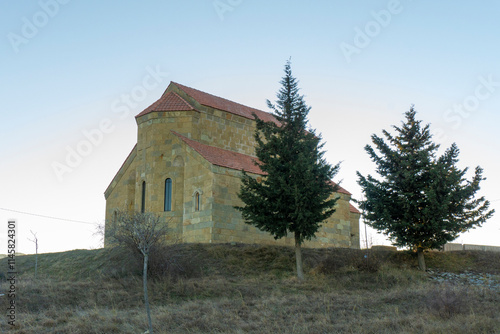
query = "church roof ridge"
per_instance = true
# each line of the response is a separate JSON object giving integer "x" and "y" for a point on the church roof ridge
{"x": 224, "y": 104}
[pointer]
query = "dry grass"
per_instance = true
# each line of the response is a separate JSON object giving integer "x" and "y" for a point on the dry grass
{"x": 250, "y": 289}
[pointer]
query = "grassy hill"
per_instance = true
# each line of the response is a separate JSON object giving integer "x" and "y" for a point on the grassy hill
{"x": 251, "y": 289}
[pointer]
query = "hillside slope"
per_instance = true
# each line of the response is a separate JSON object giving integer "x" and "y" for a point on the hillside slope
{"x": 252, "y": 289}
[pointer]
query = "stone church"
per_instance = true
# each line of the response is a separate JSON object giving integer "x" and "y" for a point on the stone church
{"x": 186, "y": 167}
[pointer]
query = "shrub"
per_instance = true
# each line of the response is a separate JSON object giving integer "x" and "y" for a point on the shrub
{"x": 338, "y": 259}
{"x": 174, "y": 262}
{"x": 447, "y": 301}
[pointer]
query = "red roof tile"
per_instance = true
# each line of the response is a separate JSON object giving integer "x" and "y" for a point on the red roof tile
{"x": 168, "y": 102}
{"x": 340, "y": 189}
{"x": 221, "y": 157}
{"x": 353, "y": 209}
{"x": 220, "y": 103}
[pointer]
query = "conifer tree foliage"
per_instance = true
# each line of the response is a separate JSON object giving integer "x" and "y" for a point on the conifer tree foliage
{"x": 295, "y": 196}
{"x": 421, "y": 201}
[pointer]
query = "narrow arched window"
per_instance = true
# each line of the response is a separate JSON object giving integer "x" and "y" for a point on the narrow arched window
{"x": 143, "y": 199}
{"x": 167, "y": 202}
{"x": 197, "y": 201}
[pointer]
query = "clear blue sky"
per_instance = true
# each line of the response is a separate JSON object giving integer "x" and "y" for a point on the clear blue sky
{"x": 65, "y": 67}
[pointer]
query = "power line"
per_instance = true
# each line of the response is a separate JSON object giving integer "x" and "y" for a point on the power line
{"x": 37, "y": 215}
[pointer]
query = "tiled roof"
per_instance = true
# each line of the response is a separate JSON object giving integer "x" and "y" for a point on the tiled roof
{"x": 225, "y": 158}
{"x": 343, "y": 191}
{"x": 168, "y": 102}
{"x": 353, "y": 209}
{"x": 220, "y": 103}
{"x": 220, "y": 157}
{"x": 340, "y": 189}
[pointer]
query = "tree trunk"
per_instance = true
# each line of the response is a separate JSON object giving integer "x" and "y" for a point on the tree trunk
{"x": 421, "y": 260}
{"x": 36, "y": 256}
{"x": 146, "y": 299}
{"x": 298, "y": 257}
{"x": 36, "y": 262}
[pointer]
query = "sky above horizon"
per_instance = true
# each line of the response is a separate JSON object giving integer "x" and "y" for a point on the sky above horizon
{"x": 75, "y": 73}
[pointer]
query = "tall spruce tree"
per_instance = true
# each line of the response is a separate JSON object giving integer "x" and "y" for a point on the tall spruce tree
{"x": 421, "y": 201}
{"x": 295, "y": 196}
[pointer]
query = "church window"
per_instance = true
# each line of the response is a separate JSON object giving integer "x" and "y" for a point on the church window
{"x": 197, "y": 201}
{"x": 143, "y": 199}
{"x": 167, "y": 204}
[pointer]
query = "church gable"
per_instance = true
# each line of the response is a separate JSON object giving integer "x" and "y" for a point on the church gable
{"x": 124, "y": 169}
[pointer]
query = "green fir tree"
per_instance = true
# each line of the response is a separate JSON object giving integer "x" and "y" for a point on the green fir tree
{"x": 421, "y": 201}
{"x": 295, "y": 196}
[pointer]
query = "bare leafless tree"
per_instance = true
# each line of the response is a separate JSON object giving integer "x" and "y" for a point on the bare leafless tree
{"x": 140, "y": 231}
{"x": 35, "y": 240}
{"x": 99, "y": 233}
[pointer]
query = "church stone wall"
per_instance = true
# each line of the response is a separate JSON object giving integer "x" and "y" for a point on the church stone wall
{"x": 354, "y": 220}
{"x": 228, "y": 223}
{"x": 227, "y": 131}
{"x": 197, "y": 225}
{"x": 121, "y": 193}
{"x": 229, "y": 226}
{"x": 161, "y": 156}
